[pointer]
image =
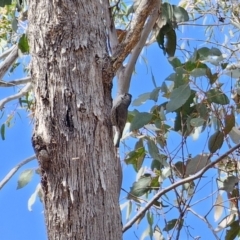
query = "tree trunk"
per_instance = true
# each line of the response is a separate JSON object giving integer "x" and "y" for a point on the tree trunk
{"x": 73, "y": 134}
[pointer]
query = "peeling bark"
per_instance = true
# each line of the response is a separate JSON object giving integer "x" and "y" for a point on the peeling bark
{"x": 73, "y": 134}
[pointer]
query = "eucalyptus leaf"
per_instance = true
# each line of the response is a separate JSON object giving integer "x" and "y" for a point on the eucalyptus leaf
{"x": 178, "y": 97}
{"x": 226, "y": 221}
{"x": 229, "y": 183}
{"x": 140, "y": 119}
{"x": 154, "y": 94}
{"x": 234, "y": 134}
{"x": 140, "y": 187}
{"x": 215, "y": 141}
{"x": 234, "y": 231}
{"x": 229, "y": 122}
{"x": 197, "y": 163}
{"x": 198, "y": 72}
{"x": 24, "y": 178}
{"x": 141, "y": 99}
{"x": 23, "y": 44}
{"x": 197, "y": 122}
{"x": 3, "y": 131}
{"x": 217, "y": 96}
{"x": 170, "y": 225}
{"x": 153, "y": 80}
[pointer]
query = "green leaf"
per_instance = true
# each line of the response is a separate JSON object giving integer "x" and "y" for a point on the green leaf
{"x": 171, "y": 77}
{"x": 154, "y": 94}
{"x": 191, "y": 65}
{"x": 140, "y": 120}
{"x": 14, "y": 24}
{"x": 198, "y": 72}
{"x": 136, "y": 156}
{"x": 229, "y": 122}
{"x": 150, "y": 218}
{"x": 229, "y": 183}
{"x": 217, "y": 96}
{"x": 153, "y": 80}
{"x": 165, "y": 90}
{"x": 202, "y": 110}
{"x": 233, "y": 231}
{"x": 226, "y": 221}
{"x": 3, "y": 131}
{"x": 205, "y": 52}
{"x": 5, "y": 2}
{"x": 171, "y": 42}
{"x": 178, "y": 97}
{"x": 152, "y": 149}
{"x": 24, "y": 178}
{"x": 212, "y": 77}
{"x": 141, "y": 99}
{"x": 224, "y": 65}
{"x": 23, "y": 44}
{"x": 154, "y": 152}
{"x": 174, "y": 13}
{"x": 175, "y": 62}
{"x": 156, "y": 164}
{"x": 197, "y": 163}
{"x": 215, "y": 52}
{"x": 197, "y": 122}
{"x": 180, "y": 14}
{"x": 170, "y": 225}
{"x": 140, "y": 187}
{"x": 215, "y": 142}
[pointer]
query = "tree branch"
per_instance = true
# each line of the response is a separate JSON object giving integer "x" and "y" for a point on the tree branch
{"x": 7, "y": 63}
{"x": 15, "y": 82}
{"x": 176, "y": 184}
{"x": 125, "y": 73}
{"x": 14, "y": 170}
{"x": 142, "y": 12}
{"x": 6, "y": 53}
{"x": 15, "y": 96}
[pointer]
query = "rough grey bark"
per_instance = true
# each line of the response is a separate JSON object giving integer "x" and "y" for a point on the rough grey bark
{"x": 73, "y": 134}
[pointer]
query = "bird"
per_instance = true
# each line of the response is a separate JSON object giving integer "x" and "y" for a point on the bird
{"x": 119, "y": 114}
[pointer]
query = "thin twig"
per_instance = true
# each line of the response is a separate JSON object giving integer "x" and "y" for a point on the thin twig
{"x": 15, "y": 82}
{"x": 14, "y": 170}
{"x": 15, "y": 96}
{"x": 204, "y": 220}
{"x": 176, "y": 184}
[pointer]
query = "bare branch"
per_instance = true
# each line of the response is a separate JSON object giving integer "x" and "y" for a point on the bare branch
{"x": 14, "y": 170}
{"x": 6, "y": 64}
{"x": 15, "y": 96}
{"x": 7, "y": 52}
{"x": 143, "y": 11}
{"x": 15, "y": 82}
{"x": 204, "y": 220}
{"x": 176, "y": 184}
{"x": 124, "y": 76}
